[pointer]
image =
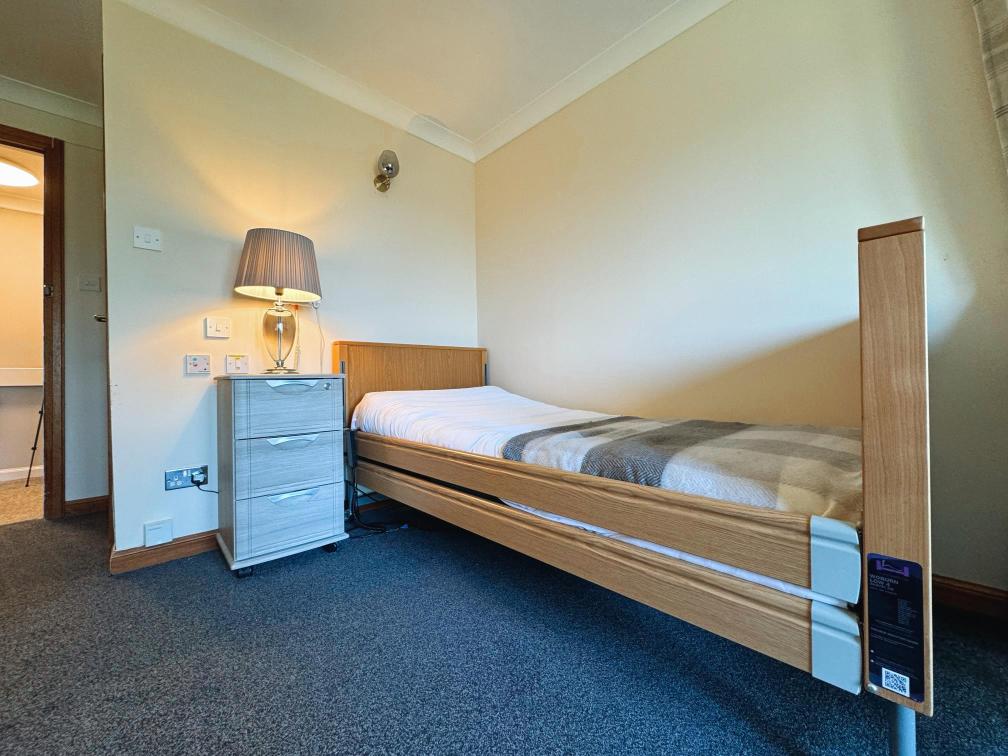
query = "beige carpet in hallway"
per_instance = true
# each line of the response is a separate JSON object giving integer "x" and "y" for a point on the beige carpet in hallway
{"x": 18, "y": 503}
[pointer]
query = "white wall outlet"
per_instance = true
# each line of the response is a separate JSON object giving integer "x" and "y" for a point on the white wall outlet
{"x": 217, "y": 328}
{"x": 147, "y": 238}
{"x": 237, "y": 364}
{"x": 88, "y": 282}
{"x": 157, "y": 532}
{"x": 197, "y": 364}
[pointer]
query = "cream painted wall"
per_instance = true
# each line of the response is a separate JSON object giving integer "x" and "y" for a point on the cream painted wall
{"x": 20, "y": 336}
{"x": 203, "y": 145}
{"x": 681, "y": 240}
{"x": 21, "y": 262}
{"x": 86, "y": 408}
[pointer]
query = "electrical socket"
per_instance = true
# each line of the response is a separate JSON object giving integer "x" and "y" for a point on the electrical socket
{"x": 182, "y": 478}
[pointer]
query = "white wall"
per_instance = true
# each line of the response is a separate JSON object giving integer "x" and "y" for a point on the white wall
{"x": 203, "y": 145}
{"x": 86, "y": 408}
{"x": 681, "y": 240}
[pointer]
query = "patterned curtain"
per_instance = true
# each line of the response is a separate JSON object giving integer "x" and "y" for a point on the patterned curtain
{"x": 992, "y": 21}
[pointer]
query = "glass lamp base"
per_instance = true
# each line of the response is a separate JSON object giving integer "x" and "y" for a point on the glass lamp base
{"x": 279, "y": 370}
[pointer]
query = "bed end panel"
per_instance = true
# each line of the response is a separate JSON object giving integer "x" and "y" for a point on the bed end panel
{"x": 374, "y": 366}
{"x": 897, "y": 662}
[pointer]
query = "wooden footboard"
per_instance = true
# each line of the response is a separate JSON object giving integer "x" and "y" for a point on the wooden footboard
{"x": 897, "y": 504}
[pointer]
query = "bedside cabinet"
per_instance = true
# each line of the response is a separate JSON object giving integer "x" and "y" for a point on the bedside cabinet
{"x": 279, "y": 465}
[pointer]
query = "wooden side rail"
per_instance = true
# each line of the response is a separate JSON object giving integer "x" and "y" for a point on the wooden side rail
{"x": 897, "y": 511}
{"x": 767, "y": 542}
{"x": 764, "y": 619}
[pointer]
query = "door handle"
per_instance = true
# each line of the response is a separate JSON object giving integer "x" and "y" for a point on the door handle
{"x": 101, "y": 318}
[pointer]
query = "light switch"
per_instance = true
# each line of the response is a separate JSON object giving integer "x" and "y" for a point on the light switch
{"x": 237, "y": 364}
{"x": 88, "y": 282}
{"x": 197, "y": 364}
{"x": 147, "y": 238}
{"x": 217, "y": 328}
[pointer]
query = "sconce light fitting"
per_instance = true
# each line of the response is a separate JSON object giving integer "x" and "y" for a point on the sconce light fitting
{"x": 388, "y": 169}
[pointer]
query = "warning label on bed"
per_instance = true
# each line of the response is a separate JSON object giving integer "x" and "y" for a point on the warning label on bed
{"x": 896, "y": 625}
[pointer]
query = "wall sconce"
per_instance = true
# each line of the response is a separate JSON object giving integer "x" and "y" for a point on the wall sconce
{"x": 388, "y": 169}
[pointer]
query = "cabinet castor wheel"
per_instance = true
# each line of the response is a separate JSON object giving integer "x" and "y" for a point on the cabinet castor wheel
{"x": 329, "y": 548}
{"x": 243, "y": 572}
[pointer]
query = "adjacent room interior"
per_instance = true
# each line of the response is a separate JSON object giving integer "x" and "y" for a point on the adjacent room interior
{"x": 21, "y": 225}
{"x": 577, "y": 377}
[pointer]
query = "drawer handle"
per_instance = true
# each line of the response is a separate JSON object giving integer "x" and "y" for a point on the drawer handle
{"x": 292, "y": 442}
{"x": 308, "y": 493}
{"x": 305, "y": 384}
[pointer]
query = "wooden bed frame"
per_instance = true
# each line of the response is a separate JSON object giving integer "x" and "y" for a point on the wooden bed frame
{"x": 457, "y": 486}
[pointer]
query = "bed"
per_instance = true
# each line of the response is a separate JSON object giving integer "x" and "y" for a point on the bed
{"x": 815, "y": 584}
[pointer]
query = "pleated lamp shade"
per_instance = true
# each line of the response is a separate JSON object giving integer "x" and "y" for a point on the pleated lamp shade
{"x": 278, "y": 265}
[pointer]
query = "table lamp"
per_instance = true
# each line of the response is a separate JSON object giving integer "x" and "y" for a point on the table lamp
{"x": 278, "y": 265}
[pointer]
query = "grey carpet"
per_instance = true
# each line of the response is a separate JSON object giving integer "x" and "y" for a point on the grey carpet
{"x": 413, "y": 642}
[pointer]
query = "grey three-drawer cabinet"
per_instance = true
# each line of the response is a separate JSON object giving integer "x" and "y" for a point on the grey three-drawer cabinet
{"x": 279, "y": 465}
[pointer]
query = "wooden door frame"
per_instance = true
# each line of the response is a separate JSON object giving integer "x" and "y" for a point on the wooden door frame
{"x": 53, "y": 399}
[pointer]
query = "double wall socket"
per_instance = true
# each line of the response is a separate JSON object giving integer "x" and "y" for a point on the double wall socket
{"x": 175, "y": 479}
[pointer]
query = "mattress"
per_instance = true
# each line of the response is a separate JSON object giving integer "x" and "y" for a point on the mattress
{"x": 486, "y": 420}
{"x": 803, "y": 469}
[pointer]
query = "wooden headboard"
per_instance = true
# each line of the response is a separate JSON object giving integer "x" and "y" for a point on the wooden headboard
{"x": 371, "y": 366}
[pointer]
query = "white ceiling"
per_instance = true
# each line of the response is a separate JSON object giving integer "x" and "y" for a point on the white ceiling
{"x": 467, "y": 75}
{"x": 467, "y": 64}
{"x": 53, "y": 44}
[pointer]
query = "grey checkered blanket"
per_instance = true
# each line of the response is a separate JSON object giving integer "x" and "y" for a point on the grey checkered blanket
{"x": 793, "y": 468}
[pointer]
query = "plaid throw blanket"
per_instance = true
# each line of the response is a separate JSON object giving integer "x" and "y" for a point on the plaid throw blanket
{"x": 793, "y": 468}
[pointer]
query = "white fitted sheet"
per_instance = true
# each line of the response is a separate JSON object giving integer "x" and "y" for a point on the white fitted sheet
{"x": 480, "y": 420}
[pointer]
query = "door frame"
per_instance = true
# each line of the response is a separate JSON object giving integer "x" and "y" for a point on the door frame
{"x": 53, "y": 399}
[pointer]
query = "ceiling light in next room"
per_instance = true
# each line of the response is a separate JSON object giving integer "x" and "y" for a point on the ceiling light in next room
{"x": 12, "y": 174}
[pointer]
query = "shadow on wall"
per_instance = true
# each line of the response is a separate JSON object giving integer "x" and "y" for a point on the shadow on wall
{"x": 764, "y": 389}
{"x": 969, "y": 446}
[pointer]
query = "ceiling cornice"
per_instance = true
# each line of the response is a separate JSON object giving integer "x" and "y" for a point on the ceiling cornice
{"x": 30, "y": 96}
{"x": 13, "y": 201}
{"x": 197, "y": 19}
{"x": 646, "y": 38}
{"x": 225, "y": 32}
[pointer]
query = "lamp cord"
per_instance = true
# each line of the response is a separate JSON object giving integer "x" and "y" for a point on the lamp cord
{"x": 321, "y": 346}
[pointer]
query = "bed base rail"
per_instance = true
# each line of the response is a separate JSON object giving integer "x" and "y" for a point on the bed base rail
{"x": 770, "y": 543}
{"x": 821, "y": 639}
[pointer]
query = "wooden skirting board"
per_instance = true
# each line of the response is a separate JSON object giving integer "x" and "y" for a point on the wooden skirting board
{"x": 86, "y": 506}
{"x": 128, "y": 560}
{"x": 971, "y": 597}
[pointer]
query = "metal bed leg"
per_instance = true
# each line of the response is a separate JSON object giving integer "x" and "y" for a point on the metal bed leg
{"x": 902, "y": 730}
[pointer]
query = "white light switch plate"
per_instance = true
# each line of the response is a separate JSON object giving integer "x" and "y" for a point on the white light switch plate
{"x": 147, "y": 238}
{"x": 88, "y": 282}
{"x": 157, "y": 532}
{"x": 217, "y": 328}
{"x": 197, "y": 364}
{"x": 237, "y": 364}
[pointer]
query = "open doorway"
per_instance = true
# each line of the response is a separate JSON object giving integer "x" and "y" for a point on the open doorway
{"x": 31, "y": 333}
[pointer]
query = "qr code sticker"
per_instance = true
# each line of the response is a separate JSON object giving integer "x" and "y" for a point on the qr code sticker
{"x": 895, "y": 682}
